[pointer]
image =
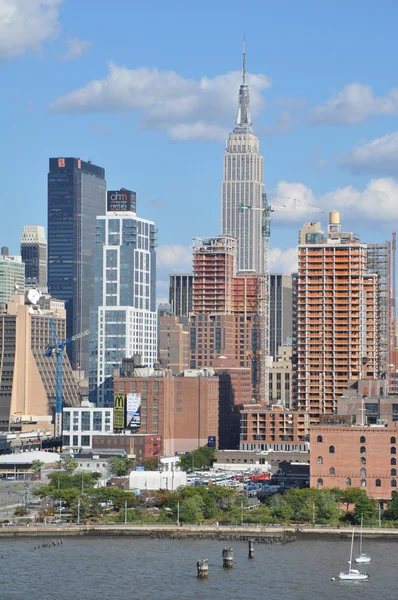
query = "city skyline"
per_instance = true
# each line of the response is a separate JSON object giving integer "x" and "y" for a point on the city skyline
{"x": 297, "y": 93}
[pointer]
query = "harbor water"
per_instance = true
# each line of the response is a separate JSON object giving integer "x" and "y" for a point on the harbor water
{"x": 120, "y": 568}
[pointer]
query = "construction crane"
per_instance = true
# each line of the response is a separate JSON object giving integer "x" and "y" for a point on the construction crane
{"x": 267, "y": 209}
{"x": 57, "y": 349}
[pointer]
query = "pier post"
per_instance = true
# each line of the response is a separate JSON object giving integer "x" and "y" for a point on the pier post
{"x": 203, "y": 568}
{"x": 251, "y": 549}
{"x": 227, "y": 558}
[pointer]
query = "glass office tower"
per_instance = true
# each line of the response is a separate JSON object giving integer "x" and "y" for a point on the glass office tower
{"x": 123, "y": 321}
{"x": 76, "y": 196}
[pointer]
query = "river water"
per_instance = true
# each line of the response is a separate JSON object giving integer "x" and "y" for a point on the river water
{"x": 142, "y": 568}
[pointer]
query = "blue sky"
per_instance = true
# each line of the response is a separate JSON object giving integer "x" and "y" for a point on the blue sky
{"x": 149, "y": 91}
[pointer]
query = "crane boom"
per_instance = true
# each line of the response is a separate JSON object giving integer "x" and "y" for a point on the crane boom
{"x": 264, "y": 308}
{"x": 57, "y": 349}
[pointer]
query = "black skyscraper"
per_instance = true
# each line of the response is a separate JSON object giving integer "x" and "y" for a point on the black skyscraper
{"x": 76, "y": 196}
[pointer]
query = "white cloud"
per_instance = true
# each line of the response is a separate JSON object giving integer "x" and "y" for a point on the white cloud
{"x": 26, "y": 24}
{"x": 174, "y": 258}
{"x": 376, "y": 203}
{"x": 377, "y": 157}
{"x": 355, "y": 103}
{"x": 185, "y": 108}
{"x": 283, "y": 124}
{"x": 76, "y": 48}
{"x": 284, "y": 261}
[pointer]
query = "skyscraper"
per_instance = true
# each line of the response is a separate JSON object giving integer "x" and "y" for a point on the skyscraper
{"x": 335, "y": 325}
{"x": 180, "y": 294}
{"x": 12, "y": 275}
{"x": 123, "y": 321}
{"x": 34, "y": 255}
{"x": 76, "y": 196}
{"x": 243, "y": 184}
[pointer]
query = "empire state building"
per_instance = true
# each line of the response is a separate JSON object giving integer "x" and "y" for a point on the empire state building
{"x": 243, "y": 185}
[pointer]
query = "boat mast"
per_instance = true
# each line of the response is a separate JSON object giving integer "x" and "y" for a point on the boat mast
{"x": 352, "y": 545}
{"x": 360, "y": 537}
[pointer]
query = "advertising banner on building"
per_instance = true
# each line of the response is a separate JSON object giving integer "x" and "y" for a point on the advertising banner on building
{"x": 121, "y": 200}
{"x": 211, "y": 441}
{"x": 133, "y": 415}
{"x": 119, "y": 410}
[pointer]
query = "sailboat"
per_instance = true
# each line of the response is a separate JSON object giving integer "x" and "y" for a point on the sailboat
{"x": 353, "y": 574}
{"x": 363, "y": 558}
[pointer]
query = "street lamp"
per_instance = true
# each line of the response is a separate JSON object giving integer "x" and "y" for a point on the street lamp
{"x": 125, "y": 513}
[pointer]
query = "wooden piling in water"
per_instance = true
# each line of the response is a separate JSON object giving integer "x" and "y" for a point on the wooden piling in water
{"x": 251, "y": 549}
{"x": 227, "y": 558}
{"x": 203, "y": 568}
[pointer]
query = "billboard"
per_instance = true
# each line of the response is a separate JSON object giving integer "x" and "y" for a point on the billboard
{"x": 133, "y": 414}
{"x": 119, "y": 410}
{"x": 121, "y": 200}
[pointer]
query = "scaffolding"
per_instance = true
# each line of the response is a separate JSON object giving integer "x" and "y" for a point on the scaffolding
{"x": 379, "y": 262}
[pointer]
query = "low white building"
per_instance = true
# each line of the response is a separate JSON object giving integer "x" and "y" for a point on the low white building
{"x": 157, "y": 480}
{"x": 80, "y": 423}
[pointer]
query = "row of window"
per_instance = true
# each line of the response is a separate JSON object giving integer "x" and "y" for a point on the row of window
{"x": 362, "y": 449}
{"x": 363, "y": 482}
{"x": 362, "y": 440}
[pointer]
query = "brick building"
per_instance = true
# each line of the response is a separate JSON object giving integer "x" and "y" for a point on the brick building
{"x": 140, "y": 446}
{"x": 183, "y": 410}
{"x": 354, "y": 456}
{"x": 276, "y": 428}
{"x": 174, "y": 343}
{"x": 234, "y": 391}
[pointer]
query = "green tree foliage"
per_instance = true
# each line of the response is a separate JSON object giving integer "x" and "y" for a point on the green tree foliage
{"x": 70, "y": 464}
{"x": 392, "y": 512}
{"x": 20, "y": 511}
{"x": 37, "y": 465}
{"x": 202, "y": 457}
{"x": 119, "y": 467}
{"x": 364, "y": 507}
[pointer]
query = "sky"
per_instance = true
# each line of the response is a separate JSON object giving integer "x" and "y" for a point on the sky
{"x": 149, "y": 91}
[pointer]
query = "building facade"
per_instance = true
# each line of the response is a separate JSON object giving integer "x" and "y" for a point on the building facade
{"x": 34, "y": 256}
{"x": 12, "y": 275}
{"x": 27, "y": 391}
{"x": 335, "y": 320}
{"x": 174, "y": 343}
{"x": 76, "y": 196}
{"x": 80, "y": 423}
{"x": 124, "y": 318}
{"x": 280, "y": 312}
{"x": 281, "y": 378}
{"x": 355, "y": 456}
{"x": 276, "y": 428}
{"x": 183, "y": 410}
{"x": 180, "y": 294}
{"x": 243, "y": 186}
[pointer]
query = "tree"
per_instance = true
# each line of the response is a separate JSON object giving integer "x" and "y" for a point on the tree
{"x": 364, "y": 507}
{"x": 202, "y": 457}
{"x": 392, "y": 511}
{"x": 70, "y": 464}
{"x": 119, "y": 467}
{"x": 20, "y": 511}
{"x": 37, "y": 465}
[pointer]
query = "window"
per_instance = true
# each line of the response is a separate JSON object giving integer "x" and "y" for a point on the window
{"x": 393, "y": 440}
{"x": 363, "y": 460}
{"x": 363, "y": 482}
{"x": 378, "y": 482}
{"x": 320, "y": 460}
{"x": 393, "y": 450}
{"x": 393, "y": 483}
{"x": 320, "y": 482}
{"x": 348, "y": 482}
{"x": 331, "y": 449}
{"x": 332, "y": 471}
{"x": 319, "y": 439}
{"x": 362, "y": 450}
{"x": 393, "y": 472}
{"x": 393, "y": 461}
{"x": 363, "y": 439}
{"x": 85, "y": 440}
{"x": 362, "y": 472}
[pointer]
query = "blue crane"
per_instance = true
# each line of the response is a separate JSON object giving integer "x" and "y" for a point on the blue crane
{"x": 56, "y": 348}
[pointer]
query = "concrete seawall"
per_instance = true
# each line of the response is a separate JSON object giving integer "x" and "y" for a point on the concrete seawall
{"x": 269, "y": 534}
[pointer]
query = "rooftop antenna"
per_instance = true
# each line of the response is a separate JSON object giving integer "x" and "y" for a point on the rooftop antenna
{"x": 244, "y": 61}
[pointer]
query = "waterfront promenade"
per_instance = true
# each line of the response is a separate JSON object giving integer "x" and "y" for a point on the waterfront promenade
{"x": 238, "y": 532}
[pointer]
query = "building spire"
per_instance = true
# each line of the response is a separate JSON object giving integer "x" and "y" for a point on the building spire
{"x": 243, "y": 120}
{"x": 244, "y": 62}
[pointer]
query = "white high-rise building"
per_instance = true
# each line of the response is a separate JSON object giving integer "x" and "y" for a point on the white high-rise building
{"x": 243, "y": 185}
{"x": 123, "y": 322}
